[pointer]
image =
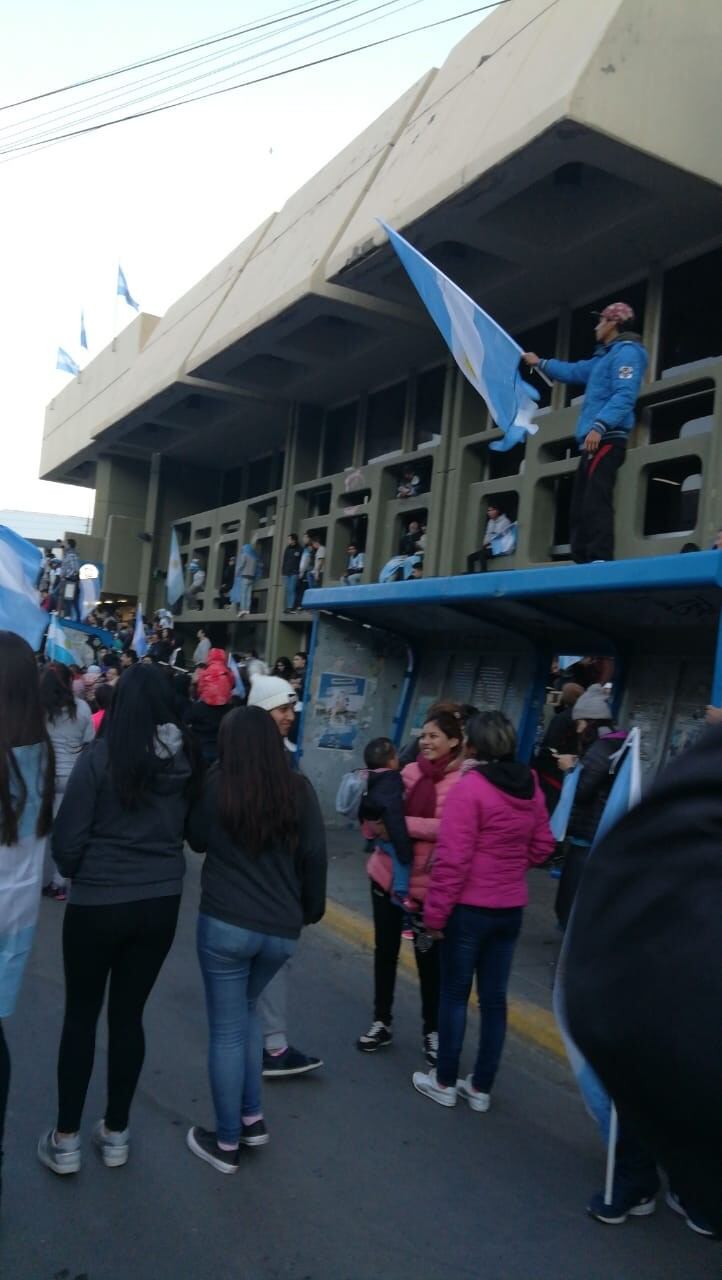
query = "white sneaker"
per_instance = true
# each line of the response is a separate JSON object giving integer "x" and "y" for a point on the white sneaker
{"x": 477, "y": 1100}
{"x": 113, "y": 1147}
{"x": 426, "y": 1083}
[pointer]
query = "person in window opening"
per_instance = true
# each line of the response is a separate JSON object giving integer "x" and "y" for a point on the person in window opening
{"x": 410, "y": 540}
{"x": 319, "y": 563}
{"x": 289, "y": 572}
{"x": 612, "y": 378}
{"x": 228, "y": 576}
{"x": 497, "y": 523}
{"x": 197, "y": 583}
{"x": 247, "y": 570}
{"x": 409, "y": 484}
{"x": 202, "y": 649}
{"x": 70, "y": 582}
{"x": 305, "y": 565}
{"x": 355, "y": 566}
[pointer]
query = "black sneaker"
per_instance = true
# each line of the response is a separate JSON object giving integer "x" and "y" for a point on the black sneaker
{"x": 695, "y": 1221}
{"x": 289, "y": 1063}
{"x": 376, "y": 1037}
{"x": 626, "y": 1203}
{"x": 431, "y": 1047}
{"x": 254, "y": 1135}
{"x": 203, "y": 1144}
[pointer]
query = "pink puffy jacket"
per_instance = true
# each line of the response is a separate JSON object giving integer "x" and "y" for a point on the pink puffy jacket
{"x": 487, "y": 842}
{"x": 423, "y": 832}
{"x": 215, "y": 682}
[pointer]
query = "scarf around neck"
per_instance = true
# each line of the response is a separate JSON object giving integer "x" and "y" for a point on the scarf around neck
{"x": 421, "y": 800}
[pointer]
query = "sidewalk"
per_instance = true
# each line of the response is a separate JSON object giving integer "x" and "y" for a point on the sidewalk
{"x": 530, "y": 1016}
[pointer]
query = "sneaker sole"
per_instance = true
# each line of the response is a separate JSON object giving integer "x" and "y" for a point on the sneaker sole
{"x": 433, "y": 1097}
{"x": 676, "y": 1207}
{"x": 261, "y": 1141}
{"x": 371, "y": 1047}
{"x": 206, "y": 1155}
{"x": 113, "y": 1159}
{"x": 270, "y": 1074}
{"x": 638, "y": 1211}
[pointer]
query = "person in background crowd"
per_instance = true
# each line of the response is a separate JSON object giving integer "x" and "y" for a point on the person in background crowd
{"x": 27, "y": 783}
{"x": 113, "y": 668}
{"x": 202, "y": 649}
{"x": 197, "y": 576}
{"x": 247, "y": 571}
{"x": 497, "y": 523}
{"x": 119, "y": 838}
{"x": 300, "y": 661}
{"x": 162, "y": 646}
{"x": 45, "y": 574}
{"x": 228, "y": 577}
{"x": 305, "y": 565}
{"x": 92, "y": 678}
{"x": 103, "y": 699}
{"x": 559, "y": 739}
{"x": 128, "y": 659}
{"x": 319, "y": 563}
{"x": 409, "y": 484}
{"x": 290, "y": 567}
{"x": 612, "y": 378}
{"x": 598, "y": 740}
{"x": 283, "y": 668}
{"x": 203, "y": 718}
{"x": 182, "y": 682}
{"x": 355, "y": 565}
{"x": 70, "y": 727}
{"x": 280, "y": 1059}
{"x": 264, "y": 878}
{"x": 410, "y": 540}
{"x": 463, "y": 712}
{"x": 69, "y": 582}
{"x": 428, "y": 782}
{"x": 494, "y": 827}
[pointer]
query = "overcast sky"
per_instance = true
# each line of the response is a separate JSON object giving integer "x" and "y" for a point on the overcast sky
{"x": 169, "y": 195}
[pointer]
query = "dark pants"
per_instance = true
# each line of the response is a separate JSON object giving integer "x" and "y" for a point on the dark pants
{"x": 591, "y": 513}
{"x": 388, "y": 923}
{"x": 4, "y": 1089}
{"x": 477, "y": 558}
{"x": 481, "y": 941}
{"x": 126, "y": 942}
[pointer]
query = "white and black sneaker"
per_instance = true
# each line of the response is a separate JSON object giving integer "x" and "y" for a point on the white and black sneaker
{"x": 375, "y": 1038}
{"x": 254, "y": 1135}
{"x": 431, "y": 1047}
{"x": 204, "y": 1145}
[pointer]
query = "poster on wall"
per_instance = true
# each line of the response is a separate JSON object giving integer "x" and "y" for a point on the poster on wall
{"x": 338, "y": 709}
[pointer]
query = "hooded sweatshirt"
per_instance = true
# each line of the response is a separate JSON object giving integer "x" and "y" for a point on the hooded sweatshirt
{"x": 113, "y": 854}
{"x": 215, "y": 683}
{"x": 494, "y": 827}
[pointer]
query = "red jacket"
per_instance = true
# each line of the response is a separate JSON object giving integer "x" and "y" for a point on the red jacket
{"x": 423, "y": 832}
{"x": 215, "y": 683}
{"x": 488, "y": 840}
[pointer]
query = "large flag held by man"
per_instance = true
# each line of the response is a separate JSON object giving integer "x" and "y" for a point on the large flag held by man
{"x": 486, "y": 355}
{"x": 19, "y": 569}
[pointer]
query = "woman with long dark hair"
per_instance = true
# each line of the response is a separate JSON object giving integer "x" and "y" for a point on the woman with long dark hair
{"x": 264, "y": 878}
{"x": 119, "y": 837}
{"x": 70, "y": 728}
{"x": 26, "y": 812}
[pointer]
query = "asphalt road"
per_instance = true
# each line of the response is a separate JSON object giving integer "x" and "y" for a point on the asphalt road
{"x": 363, "y": 1179}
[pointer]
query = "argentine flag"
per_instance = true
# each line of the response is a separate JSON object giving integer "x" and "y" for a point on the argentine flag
{"x": 57, "y": 644}
{"x": 124, "y": 292}
{"x": 237, "y": 681}
{"x": 19, "y": 568}
{"x": 486, "y": 355}
{"x": 174, "y": 583}
{"x": 65, "y": 362}
{"x": 140, "y": 644}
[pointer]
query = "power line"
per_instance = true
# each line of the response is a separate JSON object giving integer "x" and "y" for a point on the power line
{"x": 20, "y": 148}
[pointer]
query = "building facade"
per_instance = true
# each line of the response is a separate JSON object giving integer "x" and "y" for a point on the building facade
{"x": 548, "y": 169}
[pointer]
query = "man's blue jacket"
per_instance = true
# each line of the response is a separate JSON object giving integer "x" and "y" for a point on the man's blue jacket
{"x": 612, "y": 378}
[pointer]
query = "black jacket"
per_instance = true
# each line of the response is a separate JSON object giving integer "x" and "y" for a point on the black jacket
{"x": 113, "y": 854}
{"x": 594, "y": 785}
{"x": 291, "y": 561}
{"x": 276, "y": 892}
{"x": 384, "y": 802}
{"x": 204, "y": 723}
{"x": 644, "y": 979}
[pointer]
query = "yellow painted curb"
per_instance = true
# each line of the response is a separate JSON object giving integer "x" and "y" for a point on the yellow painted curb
{"x": 525, "y": 1019}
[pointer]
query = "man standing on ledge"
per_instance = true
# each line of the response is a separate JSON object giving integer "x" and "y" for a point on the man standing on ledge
{"x": 612, "y": 378}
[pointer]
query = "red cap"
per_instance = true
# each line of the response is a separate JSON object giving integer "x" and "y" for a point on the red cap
{"x": 617, "y": 312}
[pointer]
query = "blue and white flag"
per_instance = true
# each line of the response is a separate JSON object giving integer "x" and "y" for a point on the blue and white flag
{"x": 139, "y": 644}
{"x": 237, "y": 681}
{"x": 568, "y": 660}
{"x": 484, "y": 352}
{"x": 65, "y": 362}
{"x": 83, "y": 334}
{"x": 559, "y": 820}
{"x": 58, "y": 647}
{"x": 124, "y": 292}
{"x": 174, "y": 582}
{"x": 625, "y": 793}
{"x": 19, "y": 569}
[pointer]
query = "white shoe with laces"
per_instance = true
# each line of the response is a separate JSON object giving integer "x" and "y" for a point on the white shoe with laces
{"x": 477, "y": 1100}
{"x": 426, "y": 1083}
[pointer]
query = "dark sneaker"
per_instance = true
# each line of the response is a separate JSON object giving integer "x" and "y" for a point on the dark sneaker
{"x": 625, "y": 1204}
{"x": 289, "y": 1063}
{"x": 375, "y": 1038}
{"x": 203, "y": 1144}
{"x": 694, "y": 1222}
{"x": 255, "y": 1135}
{"x": 431, "y": 1047}
{"x": 62, "y": 1156}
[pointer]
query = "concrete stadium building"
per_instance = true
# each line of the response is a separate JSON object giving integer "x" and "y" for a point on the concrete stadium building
{"x": 564, "y": 155}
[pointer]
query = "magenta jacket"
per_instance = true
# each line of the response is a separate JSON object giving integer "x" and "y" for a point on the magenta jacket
{"x": 487, "y": 841}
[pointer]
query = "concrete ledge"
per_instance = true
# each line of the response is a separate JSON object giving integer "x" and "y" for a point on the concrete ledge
{"x": 525, "y": 1019}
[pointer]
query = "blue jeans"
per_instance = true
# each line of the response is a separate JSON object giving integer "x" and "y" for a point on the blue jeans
{"x": 236, "y": 965}
{"x": 481, "y": 941}
{"x": 401, "y": 870}
{"x": 290, "y": 582}
{"x": 245, "y": 594}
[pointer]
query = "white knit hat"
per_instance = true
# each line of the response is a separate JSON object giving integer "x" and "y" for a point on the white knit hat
{"x": 270, "y": 692}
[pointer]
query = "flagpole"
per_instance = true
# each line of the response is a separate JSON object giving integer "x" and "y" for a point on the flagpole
{"x": 611, "y": 1155}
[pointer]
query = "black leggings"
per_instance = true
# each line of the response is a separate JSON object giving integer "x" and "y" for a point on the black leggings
{"x": 388, "y": 923}
{"x": 127, "y": 941}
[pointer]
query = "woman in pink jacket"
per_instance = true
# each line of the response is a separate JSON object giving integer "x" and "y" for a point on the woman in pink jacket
{"x": 427, "y": 784}
{"x": 494, "y": 828}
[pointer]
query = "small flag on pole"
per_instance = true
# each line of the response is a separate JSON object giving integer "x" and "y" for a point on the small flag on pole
{"x": 484, "y": 352}
{"x": 139, "y": 644}
{"x": 124, "y": 292}
{"x": 174, "y": 583}
{"x": 65, "y": 362}
{"x": 83, "y": 334}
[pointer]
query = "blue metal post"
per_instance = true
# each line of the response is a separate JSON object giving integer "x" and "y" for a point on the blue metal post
{"x": 716, "y": 694}
{"x": 533, "y": 703}
{"x": 307, "y": 684}
{"x": 407, "y": 691}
